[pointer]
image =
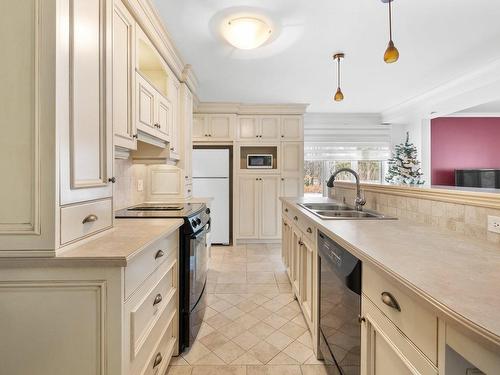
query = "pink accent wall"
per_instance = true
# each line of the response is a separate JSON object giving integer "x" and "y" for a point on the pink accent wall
{"x": 461, "y": 143}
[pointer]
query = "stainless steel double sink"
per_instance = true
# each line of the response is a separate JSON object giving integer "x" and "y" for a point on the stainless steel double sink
{"x": 339, "y": 211}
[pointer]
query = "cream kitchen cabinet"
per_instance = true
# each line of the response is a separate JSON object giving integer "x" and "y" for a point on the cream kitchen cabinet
{"x": 258, "y": 128}
{"x": 292, "y": 128}
{"x": 124, "y": 124}
{"x": 214, "y": 127}
{"x": 292, "y": 186}
{"x": 86, "y": 143}
{"x": 175, "y": 136}
{"x": 292, "y": 157}
{"x": 258, "y": 207}
{"x": 186, "y": 122}
{"x": 153, "y": 110}
{"x": 112, "y": 315}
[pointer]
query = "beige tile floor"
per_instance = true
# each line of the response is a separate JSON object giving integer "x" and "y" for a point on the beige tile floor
{"x": 251, "y": 323}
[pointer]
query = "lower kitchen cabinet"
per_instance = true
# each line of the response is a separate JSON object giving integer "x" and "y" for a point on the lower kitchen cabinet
{"x": 258, "y": 207}
{"x": 82, "y": 317}
{"x": 307, "y": 278}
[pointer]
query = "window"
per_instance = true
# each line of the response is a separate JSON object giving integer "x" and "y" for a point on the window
{"x": 317, "y": 172}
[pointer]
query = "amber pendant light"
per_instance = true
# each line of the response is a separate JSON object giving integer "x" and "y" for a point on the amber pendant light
{"x": 391, "y": 54}
{"x": 339, "y": 96}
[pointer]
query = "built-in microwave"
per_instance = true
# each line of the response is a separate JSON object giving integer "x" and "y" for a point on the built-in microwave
{"x": 259, "y": 161}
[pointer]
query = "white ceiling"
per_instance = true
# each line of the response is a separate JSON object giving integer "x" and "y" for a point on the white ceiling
{"x": 439, "y": 40}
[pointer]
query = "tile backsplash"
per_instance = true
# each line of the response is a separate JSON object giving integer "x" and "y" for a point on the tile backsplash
{"x": 125, "y": 192}
{"x": 461, "y": 218}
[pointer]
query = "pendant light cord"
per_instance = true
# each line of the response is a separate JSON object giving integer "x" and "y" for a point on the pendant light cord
{"x": 390, "y": 20}
{"x": 338, "y": 72}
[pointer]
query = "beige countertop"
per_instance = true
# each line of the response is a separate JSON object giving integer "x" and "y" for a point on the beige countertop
{"x": 115, "y": 247}
{"x": 458, "y": 276}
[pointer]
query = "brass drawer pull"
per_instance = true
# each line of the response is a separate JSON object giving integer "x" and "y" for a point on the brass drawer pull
{"x": 159, "y": 254}
{"x": 158, "y": 360}
{"x": 301, "y": 243}
{"x": 158, "y": 299}
{"x": 390, "y": 301}
{"x": 295, "y": 218}
{"x": 309, "y": 230}
{"x": 286, "y": 209}
{"x": 90, "y": 219}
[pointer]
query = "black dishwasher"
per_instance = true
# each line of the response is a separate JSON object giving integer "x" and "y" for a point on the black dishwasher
{"x": 340, "y": 306}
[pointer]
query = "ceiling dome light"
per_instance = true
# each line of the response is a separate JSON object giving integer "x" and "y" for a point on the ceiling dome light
{"x": 246, "y": 32}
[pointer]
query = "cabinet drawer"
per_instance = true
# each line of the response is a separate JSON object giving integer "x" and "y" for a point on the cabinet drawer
{"x": 85, "y": 219}
{"x": 161, "y": 300}
{"x": 188, "y": 190}
{"x": 148, "y": 260}
{"x": 308, "y": 229}
{"x": 416, "y": 322}
{"x": 159, "y": 358}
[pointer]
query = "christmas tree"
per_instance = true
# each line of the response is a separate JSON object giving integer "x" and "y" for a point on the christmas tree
{"x": 404, "y": 168}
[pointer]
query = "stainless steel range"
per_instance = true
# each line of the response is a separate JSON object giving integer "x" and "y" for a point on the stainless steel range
{"x": 193, "y": 256}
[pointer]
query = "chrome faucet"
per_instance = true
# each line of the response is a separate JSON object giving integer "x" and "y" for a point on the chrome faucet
{"x": 360, "y": 201}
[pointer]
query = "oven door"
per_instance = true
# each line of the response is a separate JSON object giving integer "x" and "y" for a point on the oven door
{"x": 340, "y": 306}
{"x": 198, "y": 265}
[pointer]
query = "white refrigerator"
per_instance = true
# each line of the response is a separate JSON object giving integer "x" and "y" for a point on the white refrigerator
{"x": 211, "y": 179}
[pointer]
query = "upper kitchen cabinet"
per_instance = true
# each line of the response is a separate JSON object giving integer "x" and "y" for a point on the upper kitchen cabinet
{"x": 214, "y": 127}
{"x": 86, "y": 136}
{"x": 124, "y": 77}
{"x": 154, "y": 110}
{"x": 292, "y": 128}
{"x": 175, "y": 123}
{"x": 258, "y": 128}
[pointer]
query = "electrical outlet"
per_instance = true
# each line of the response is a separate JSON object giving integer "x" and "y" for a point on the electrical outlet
{"x": 494, "y": 224}
{"x": 140, "y": 185}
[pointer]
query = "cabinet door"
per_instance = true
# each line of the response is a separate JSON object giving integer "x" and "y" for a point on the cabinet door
{"x": 270, "y": 128}
{"x": 292, "y": 157}
{"x": 270, "y": 210}
{"x": 87, "y": 141}
{"x": 123, "y": 76}
{"x": 186, "y": 132}
{"x": 200, "y": 127}
{"x": 295, "y": 260}
{"x": 221, "y": 127}
{"x": 145, "y": 106}
{"x": 164, "y": 113}
{"x": 174, "y": 94}
{"x": 307, "y": 280}
{"x": 292, "y": 186}
{"x": 381, "y": 357}
{"x": 292, "y": 128}
{"x": 248, "y": 128}
{"x": 286, "y": 234}
{"x": 248, "y": 207}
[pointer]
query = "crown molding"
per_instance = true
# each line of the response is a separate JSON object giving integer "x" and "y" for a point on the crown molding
{"x": 251, "y": 109}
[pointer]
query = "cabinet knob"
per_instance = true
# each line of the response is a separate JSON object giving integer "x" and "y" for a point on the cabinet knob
{"x": 90, "y": 219}
{"x": 282, "y": 179}
{"x": 189, "y": 190}
{"x": 390, "y": 301}
{"x": 256, "y": 179}
{"x": 309, "y": 230}
{"x": 282, "y": 136}
{"x": 301, "y": 243}
{"x": 295, "y": 218}
{"x": 286, "y": 209}
{"x": 159, "y": 254}
{"x": 134, "y": 136}
{"x": 361, "y": 319}
{"x": 112, "y": 180}
{"x": 157, "y": 299}
{"x": 158, "y": 360}
{"x": 172, "y": 149}
{"x": 210, "y": 135}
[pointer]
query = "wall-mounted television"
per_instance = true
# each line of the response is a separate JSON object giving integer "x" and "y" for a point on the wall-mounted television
{"x": 480, "y": 178}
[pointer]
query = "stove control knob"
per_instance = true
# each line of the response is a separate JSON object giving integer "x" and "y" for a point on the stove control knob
{"x": 207, "y": 211}
{"x": 194, "y": 223}
{"x": 198, "y": 221}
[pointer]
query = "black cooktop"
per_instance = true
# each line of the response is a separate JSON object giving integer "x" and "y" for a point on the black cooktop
{"x": 161, "y": 210}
